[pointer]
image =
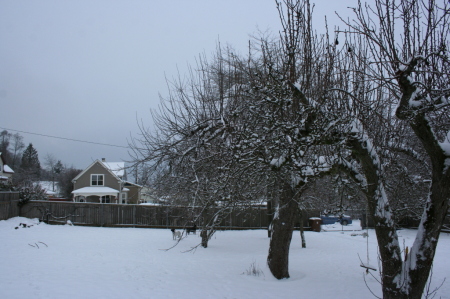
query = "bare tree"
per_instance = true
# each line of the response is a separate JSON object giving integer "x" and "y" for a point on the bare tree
{"x": 54, "y": 168}
{"x": 188, "y": 152}
{"x": 241, "y": 118}
{"x": 405, "y": 53}
{"x": 16, "y": 151}
{"x": 297, "y": 116}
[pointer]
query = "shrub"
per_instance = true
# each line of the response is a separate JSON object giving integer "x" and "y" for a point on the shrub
{"x": 31, "y": 193}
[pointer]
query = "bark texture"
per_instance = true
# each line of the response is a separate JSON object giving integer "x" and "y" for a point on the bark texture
{"x": 389, "y": 248}
{"x": 302, "y": 229}
{"x": 282, "y": 229}
{"x": 406, "y": 277}
{"x": 420, "y": 259}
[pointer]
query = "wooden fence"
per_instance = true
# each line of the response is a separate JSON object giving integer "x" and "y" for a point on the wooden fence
{"x": 93, "y": 214}
{"x": 118, "y": 215}
{"x": 8, "y": 195}
{"x": 8, "y": 204}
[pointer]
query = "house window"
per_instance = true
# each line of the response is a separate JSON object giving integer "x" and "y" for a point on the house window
{"x": 97, "y": 180}
{"x": 124, "y": 198}
{"x": 106, "y": 199}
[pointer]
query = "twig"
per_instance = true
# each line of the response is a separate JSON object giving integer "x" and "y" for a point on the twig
{"x": 178, "y": 241}
{"x": 370, "y": 290}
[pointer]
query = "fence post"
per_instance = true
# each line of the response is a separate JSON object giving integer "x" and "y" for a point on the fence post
{"x": 102, "y": 210}
{"x": 167, "y": 216}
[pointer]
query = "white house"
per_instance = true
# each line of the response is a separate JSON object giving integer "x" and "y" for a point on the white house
{"x": 5, "y": 171}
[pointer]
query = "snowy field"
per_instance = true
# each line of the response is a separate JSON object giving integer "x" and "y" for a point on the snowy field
{"x": 45, "y": 261}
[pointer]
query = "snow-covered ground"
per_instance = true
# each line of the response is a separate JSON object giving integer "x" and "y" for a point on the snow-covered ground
{"x": 45, "y": 261}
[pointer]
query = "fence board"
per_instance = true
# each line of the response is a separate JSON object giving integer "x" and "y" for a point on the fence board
{"x": 8, "y": 209}
{"x": 9, "y": 195}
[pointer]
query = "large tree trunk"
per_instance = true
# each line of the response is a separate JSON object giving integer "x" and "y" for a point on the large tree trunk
{"x": 282, "y": 229}
{"x": 379, "y": 208}
{"x": 406, "y": 277}
{"x": 423, "y": 92}
{"x": 418, "y": 263}
{"x": 421, "y": 256}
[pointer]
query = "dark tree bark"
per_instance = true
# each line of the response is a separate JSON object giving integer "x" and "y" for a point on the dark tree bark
{"x": 302, "y": 229}
{"x": 424, "y": 248}
{"x": 269, "y": 218}
{"x": 414, "y": 70}
{"x": 283, "y": 227}
{"x": 381, "y": 213}
{"x": 204, "y": 236}
{"x": 404, "y": 277}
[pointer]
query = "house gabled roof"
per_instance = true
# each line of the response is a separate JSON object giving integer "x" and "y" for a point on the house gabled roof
{"x": 7, "y": 169}
{"x": 127, "y": 183}
{"x": 115, "y": 168}
{"x": 118, "y": 168}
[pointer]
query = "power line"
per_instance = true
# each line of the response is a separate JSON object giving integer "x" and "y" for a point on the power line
{"x": 64, "y": 138}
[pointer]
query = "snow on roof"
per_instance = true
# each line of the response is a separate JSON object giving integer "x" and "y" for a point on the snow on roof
{"x": 7, "y": 169}
{"x": 133, "y": 184}
{"x": 96, "y": 191}
{"x": 118, "y": 168}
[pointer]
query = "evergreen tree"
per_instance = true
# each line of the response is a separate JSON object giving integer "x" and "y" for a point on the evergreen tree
{"x": 59, "y": 167}
{"x": 30, "y": 166}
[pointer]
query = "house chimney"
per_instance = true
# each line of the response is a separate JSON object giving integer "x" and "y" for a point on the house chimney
{"x": 103, "y": 160}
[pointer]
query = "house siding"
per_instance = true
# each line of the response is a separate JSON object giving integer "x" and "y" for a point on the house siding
{"x": 97, "y": 168}
{"x": 133, "y": 194}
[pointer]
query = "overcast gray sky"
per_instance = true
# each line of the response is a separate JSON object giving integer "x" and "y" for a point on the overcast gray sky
{"x": 86, "y": 70}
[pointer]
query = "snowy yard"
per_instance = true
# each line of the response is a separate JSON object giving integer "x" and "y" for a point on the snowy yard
{"x": 45, "y": 261}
